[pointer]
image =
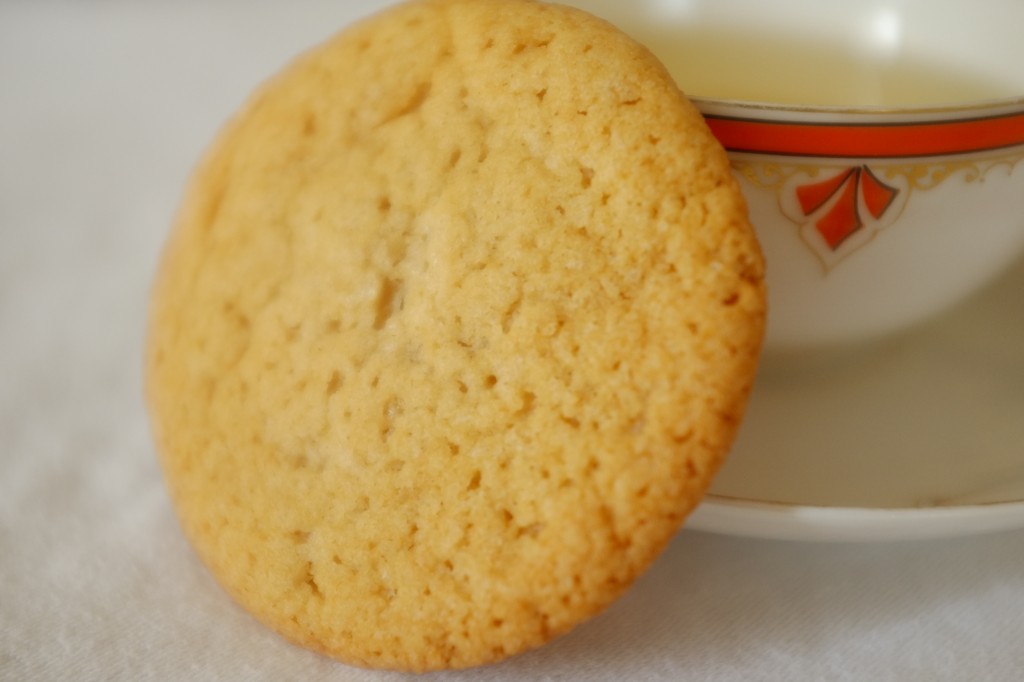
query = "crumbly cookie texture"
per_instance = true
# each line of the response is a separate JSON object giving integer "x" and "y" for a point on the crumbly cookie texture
{"x": 457, "y": 321}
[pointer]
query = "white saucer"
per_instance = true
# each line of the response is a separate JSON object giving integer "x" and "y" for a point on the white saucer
{"x": 920, "y": 437}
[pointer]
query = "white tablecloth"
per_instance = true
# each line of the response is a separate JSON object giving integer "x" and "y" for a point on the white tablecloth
{"x": 104, "y": 106}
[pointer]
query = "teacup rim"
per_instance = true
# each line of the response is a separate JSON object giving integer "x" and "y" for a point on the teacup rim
{"x": 966, "y": 109}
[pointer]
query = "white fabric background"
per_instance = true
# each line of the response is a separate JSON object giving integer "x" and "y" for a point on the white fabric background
{"x": 104, "y": 106}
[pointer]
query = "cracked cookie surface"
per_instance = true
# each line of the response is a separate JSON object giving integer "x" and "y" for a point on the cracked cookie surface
{"x": 457, "y": 321}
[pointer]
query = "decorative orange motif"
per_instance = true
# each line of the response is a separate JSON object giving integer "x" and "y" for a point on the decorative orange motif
{"x": 841, "y": 214}
{"x": 883, "y": 192}
{"x": 843, "y": 218}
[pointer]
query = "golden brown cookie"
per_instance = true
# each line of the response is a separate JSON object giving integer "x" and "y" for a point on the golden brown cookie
{"x": 457, "y": 322}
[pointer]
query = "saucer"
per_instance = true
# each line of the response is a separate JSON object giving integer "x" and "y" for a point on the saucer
{"x": 921, "y": 436}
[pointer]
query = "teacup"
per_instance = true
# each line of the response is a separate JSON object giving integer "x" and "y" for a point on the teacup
{"x": 880, "y": 147}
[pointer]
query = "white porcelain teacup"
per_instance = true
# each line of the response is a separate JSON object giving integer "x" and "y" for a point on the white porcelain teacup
{"x": 880, "y": 146}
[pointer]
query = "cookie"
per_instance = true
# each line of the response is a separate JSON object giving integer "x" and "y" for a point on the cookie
{"x": 457, "y": 322}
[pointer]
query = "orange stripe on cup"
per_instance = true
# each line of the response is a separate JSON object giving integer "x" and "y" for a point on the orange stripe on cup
{"x": 868, "y": 140}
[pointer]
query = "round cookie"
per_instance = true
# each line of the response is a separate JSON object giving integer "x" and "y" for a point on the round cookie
{"x": 455, "y": 326}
